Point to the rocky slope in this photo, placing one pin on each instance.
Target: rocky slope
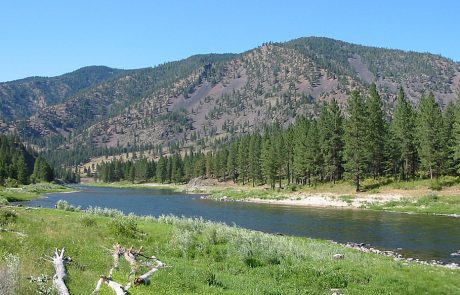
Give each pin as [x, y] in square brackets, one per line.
[214, 96]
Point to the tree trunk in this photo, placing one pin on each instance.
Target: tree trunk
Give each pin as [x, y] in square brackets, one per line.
[60, 275]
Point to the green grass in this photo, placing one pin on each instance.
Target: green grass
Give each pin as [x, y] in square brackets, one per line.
[248, 193]
[429, 204]
[29, 192]
[208, 258]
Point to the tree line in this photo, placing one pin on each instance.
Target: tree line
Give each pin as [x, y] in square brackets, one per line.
[21, 165]
[363, 141]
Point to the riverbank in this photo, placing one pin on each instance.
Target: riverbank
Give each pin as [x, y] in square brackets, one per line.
[205, 257]
[30, 192]
[421, 196]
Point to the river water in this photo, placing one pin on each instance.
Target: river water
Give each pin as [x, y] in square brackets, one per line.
[420, 236]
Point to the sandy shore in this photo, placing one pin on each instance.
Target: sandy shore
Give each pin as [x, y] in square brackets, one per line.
[329, 200]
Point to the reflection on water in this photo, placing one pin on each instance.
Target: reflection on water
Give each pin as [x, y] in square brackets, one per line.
[421, 236]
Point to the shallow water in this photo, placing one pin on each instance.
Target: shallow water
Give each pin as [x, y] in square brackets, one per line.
[420, 236]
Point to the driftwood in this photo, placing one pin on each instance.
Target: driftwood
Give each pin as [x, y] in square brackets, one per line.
[118, 288]
[59, 262]
[117, 252]
[145, 278]
[131, 256]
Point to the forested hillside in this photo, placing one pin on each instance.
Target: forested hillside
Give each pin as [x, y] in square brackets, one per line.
[22, 98]
[364, 143]
[19, 165]
[206, 100]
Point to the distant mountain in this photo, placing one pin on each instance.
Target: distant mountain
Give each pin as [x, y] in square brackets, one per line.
[213, 96]
[22, 98]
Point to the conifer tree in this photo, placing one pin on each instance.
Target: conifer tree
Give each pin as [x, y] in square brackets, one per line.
[243, 155]
[448, 140]
[300, 143]
[313, 154]
[232, 158]
[331, 140]
[376, 131]
[254, 158]
[403, 131]
[429, 131]
[355, 152]
[268, 161]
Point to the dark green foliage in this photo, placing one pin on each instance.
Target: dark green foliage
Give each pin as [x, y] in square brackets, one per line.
[17, 162]
[124, 227]
[376, 132]
[355, 152]
[42, 171]
[331, 140]
[360, 145]
[403, 137]
[429, 133]
[7, 217]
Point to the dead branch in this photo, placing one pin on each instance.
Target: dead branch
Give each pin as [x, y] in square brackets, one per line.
[59, 266]
[145, 278]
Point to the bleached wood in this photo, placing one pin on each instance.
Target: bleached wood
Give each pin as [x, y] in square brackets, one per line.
[60, 272]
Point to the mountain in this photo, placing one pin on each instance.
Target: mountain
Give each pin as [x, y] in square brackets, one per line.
[214, 96]
[22, 98]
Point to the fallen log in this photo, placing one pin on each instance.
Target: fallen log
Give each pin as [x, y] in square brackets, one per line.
[145, 278]
[59, 277]
[118, 250]
[118, 288]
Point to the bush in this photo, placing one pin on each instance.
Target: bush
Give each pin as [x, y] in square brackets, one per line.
[124, 227]
[10, 182]
[64, 205]
[87, 221]
[436, 185]
[104, 211]
[3, 201]
[293, 187]
[7, 217]
[9, 275]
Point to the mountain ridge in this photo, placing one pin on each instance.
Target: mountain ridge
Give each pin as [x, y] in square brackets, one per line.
[219, 95]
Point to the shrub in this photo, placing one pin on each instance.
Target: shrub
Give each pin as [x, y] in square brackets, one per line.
[436, 185]
[211, 279]
[64, 205]
[104, 211]
[9, 275]
[124, 227]
[87, 221]
[3, 201]
[7, 217]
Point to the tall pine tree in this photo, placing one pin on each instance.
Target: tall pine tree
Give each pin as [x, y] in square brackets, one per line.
[355, 152]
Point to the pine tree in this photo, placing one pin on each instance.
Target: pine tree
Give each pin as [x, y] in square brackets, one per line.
[355, 133]
[243, 155]
[161, 170]
[403, 129]
[448, 121]
[300, 143]
[331, 140]
[268, 161]
[23, 175]
[429, 131]
[313, 156]
[254, 158]
[232, 161]
[376, 132]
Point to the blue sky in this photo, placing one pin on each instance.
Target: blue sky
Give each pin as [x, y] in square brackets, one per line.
[48, 38]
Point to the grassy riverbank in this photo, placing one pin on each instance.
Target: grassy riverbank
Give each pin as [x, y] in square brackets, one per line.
[29, 192]
[206, 258]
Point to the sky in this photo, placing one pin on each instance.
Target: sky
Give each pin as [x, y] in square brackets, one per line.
[49, 38]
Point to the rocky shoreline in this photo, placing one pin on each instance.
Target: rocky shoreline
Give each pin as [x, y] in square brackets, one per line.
[366, 248]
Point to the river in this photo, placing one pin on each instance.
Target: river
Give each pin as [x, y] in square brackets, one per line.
[419, 236]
